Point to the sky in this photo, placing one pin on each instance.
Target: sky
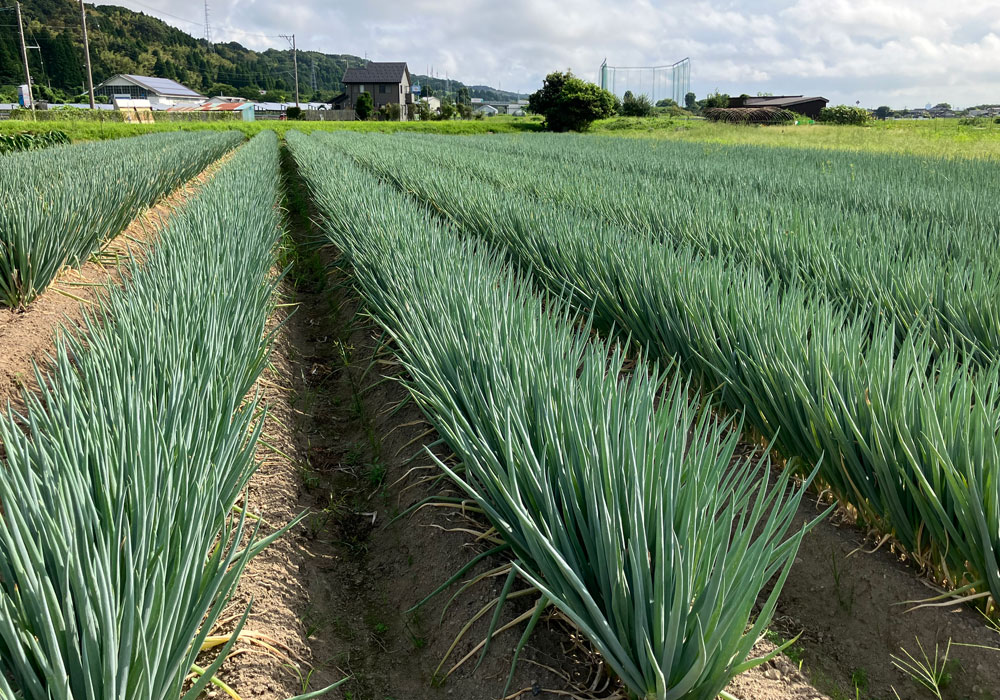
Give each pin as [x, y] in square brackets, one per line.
[902, 53]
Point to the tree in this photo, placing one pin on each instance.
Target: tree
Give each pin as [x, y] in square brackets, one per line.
[690, 101]
[667, 102]
[717, 99]
[426, 90]
[636, 106]
[293, 112]
[570, 104]
[883, 112]
[942, 105]
[390, 112]
[447, 110]
[462, 96]
[364, 106]
[464, 110]
[424, 111]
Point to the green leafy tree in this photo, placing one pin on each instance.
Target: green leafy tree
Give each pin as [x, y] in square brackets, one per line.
[633, 106]
[447, 110]
[942, 105]
[667, 102]
[462, 96]
[690, 101]
[570, 104]
[426, 90]
[424, 111]
[390, 112]
[883, 112]
[294, 112]
[716, 99]
[364, 106]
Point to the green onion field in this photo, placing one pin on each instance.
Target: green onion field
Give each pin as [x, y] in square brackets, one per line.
[706, 412]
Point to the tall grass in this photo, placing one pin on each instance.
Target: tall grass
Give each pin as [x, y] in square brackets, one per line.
[118, 545]
[619, 495]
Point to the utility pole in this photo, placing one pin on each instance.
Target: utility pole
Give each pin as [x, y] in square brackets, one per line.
[24, 57]
[295, 62]
[208, 28]
[86, 53]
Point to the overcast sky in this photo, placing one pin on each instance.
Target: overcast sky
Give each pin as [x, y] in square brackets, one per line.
[904, 53]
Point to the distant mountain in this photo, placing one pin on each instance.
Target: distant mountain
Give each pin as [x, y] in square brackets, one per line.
[124, 41]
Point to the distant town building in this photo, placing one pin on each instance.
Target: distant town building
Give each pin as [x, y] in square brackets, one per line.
[806, 106]
[242, 107]
[162, 93]
[387, 83]
[433, 103]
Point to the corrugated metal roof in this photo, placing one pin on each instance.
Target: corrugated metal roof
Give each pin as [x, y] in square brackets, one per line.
[779, 101]
[376, 73]
[162, 86]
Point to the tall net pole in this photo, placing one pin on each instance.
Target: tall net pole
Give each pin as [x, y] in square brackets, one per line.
[656, 82]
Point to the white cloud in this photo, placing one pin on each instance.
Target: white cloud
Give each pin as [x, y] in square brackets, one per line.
[876, 51]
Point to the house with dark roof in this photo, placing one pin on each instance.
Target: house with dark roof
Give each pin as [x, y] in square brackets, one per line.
[806, 106]
[387, 83]
[162, 93]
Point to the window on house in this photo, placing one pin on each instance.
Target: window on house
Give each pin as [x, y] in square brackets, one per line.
[361, 88]
[381, 88]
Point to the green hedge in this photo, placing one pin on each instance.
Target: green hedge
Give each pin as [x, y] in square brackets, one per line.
[67, 114]
[844, 114]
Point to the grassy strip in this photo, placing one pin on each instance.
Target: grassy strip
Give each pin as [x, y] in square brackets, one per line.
[118, 547]
[907, 430]
[938, 138]
[61, 204]
[618, 494]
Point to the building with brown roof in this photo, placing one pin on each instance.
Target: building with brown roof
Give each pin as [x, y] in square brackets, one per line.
[806, 106]
[387, 83]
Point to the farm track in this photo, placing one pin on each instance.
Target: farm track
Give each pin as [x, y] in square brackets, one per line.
[28, 336]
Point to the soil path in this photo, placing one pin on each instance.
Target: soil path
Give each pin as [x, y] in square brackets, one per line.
[28, 336]
[849, 606]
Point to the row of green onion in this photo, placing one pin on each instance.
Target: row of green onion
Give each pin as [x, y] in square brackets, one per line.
[618, 495]
[119, 544]
[905, 428]
[63, 203]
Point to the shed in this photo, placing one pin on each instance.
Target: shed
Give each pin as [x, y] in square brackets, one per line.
[162, 93]
[807, 106]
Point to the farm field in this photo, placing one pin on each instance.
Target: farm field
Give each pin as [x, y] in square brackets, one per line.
[495, 416]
